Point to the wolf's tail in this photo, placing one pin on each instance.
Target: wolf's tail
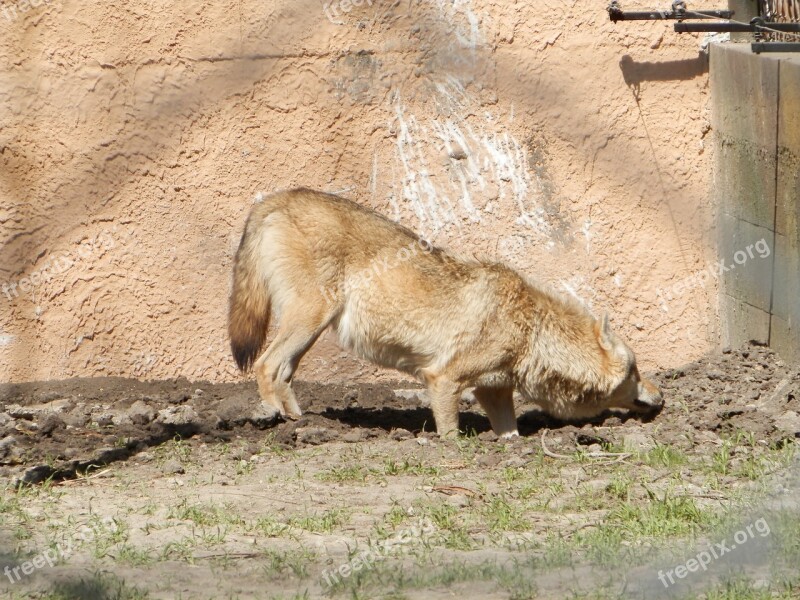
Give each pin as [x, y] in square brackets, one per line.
[248, 311]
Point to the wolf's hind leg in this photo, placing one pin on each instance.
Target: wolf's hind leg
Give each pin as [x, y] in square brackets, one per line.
[498, 403]
[300, 326]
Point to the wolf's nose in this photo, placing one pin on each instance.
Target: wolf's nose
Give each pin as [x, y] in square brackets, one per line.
[650, 397]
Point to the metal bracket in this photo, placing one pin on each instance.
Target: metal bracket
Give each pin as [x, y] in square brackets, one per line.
[677, 13]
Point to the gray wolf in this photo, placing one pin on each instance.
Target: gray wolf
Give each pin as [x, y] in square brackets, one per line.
[316, 260]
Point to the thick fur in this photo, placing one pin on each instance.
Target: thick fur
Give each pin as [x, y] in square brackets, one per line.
[318, 260]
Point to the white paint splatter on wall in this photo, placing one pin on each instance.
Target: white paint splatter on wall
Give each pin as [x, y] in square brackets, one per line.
[464, 163]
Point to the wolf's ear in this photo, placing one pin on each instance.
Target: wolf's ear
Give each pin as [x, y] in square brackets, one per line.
[602, 330]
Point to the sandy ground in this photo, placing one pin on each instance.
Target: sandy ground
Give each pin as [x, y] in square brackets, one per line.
[179, 489]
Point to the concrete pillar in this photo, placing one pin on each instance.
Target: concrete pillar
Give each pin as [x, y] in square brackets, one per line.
[744, 11]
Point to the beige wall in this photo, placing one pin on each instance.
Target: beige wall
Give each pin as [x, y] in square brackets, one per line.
[134, 137]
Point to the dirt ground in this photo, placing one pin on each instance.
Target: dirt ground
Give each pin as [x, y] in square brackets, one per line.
[193, 490]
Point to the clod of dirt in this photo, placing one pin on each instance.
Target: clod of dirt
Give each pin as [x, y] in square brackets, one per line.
[178, 416]
[140, 413]
[51, 423]
[243, 408]
[7, 445]
[789, 423]
[401, 434]
[264, 416]
[314, 435]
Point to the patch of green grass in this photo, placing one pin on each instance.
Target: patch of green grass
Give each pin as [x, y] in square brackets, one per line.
[176, 449]
[501, 515]
[392, 467]
[452, 532]
[351, 473]
[130, 555]
[664, 456]
[344, 474]
[744, 589]
[661, 518]
[206, 515]
[106, 535]
[270, 527]
[325, 522]
[620, 486]
[295, 562]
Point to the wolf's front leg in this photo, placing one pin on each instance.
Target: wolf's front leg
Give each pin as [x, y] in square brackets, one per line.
[444, 396]
[498, 403]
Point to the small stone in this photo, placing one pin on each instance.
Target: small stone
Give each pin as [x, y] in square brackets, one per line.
[354, 435]
[178, 397]
[5, 419]
[173, 467]
[489, 460]
[144, 457]
[401, 434]
[313, 435]
[422, 441]
[120, 418]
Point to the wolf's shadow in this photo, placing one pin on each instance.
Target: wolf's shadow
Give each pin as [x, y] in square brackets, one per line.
[420, 419]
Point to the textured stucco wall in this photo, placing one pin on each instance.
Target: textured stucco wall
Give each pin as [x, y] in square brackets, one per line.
[134, 138]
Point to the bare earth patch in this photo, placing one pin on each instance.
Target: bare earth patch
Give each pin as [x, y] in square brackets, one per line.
[178, 489]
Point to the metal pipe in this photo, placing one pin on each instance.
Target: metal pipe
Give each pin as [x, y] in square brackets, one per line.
[720, 26]
[759, 47]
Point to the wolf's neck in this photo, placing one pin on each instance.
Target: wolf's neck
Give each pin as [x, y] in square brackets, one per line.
[564, 349]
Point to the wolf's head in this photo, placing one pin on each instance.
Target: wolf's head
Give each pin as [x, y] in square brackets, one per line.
[626, 387]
